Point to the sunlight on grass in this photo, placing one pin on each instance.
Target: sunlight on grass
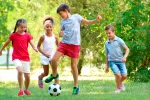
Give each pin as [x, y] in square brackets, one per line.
[90, 90]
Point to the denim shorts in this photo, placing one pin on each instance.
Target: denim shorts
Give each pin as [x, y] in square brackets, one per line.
[118, 67]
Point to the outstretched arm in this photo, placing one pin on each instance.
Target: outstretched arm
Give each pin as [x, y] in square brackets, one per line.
[32, 45]
[90, 22]
[6, 43]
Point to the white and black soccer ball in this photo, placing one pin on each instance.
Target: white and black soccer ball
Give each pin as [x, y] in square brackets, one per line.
[54, 89]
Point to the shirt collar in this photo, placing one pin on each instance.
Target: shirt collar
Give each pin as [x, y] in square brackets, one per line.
[115, 39]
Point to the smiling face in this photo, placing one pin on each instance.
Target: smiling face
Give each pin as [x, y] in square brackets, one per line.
[48, 27]
[22, 28]
[110, 34]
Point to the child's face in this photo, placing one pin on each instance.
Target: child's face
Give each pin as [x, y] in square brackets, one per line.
[110, 34]
[22, 27]
[63, 14]
[48, 27]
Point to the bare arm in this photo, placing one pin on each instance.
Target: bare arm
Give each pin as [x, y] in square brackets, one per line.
[126, 54]
[56, 41]
[107, 66]
[32, 45]
[90, 22]
[39, 46]
[6, 43]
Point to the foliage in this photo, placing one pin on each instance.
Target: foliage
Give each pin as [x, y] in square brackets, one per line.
[134, 27]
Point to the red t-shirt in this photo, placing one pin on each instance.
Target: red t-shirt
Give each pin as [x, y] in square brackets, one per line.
[20, 46]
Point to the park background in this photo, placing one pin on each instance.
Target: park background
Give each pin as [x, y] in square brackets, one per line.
[131, 19]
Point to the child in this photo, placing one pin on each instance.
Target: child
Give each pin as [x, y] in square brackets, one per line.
[48, 40]
[114, 57]
[20, 56]
[70, 44]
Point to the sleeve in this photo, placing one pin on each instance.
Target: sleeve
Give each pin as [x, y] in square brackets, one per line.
[29, 37]
[79, 17]
[11, 36]
[122, 43]
[106, 50]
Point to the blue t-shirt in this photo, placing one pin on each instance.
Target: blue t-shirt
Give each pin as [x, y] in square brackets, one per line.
[114, 49]
[71, 29]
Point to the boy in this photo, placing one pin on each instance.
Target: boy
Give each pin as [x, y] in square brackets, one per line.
[114, 57]
[70, 44]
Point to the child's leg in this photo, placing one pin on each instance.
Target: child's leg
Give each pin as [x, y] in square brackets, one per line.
[74, 62]
[123, 78]
[54, 74]
[20, 77]
[118, 80]
[27, 80]
[54, 62]
[45, 73]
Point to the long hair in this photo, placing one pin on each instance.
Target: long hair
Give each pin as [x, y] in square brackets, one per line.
[21, 20]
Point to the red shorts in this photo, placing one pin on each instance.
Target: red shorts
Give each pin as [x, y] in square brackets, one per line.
[69, 49]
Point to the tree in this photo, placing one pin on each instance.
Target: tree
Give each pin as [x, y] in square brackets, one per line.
[134, 26]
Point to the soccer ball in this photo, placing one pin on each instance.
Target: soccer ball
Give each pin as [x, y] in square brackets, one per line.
[54, 89]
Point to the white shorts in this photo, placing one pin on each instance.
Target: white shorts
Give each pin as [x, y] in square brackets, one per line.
[44, 60]
[24, 64]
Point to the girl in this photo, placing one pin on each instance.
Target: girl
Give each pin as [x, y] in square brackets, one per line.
[48, 40]
[20, 56]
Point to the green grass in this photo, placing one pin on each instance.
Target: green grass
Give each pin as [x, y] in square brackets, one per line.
[90, 90]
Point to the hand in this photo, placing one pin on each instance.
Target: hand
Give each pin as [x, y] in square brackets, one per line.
[98, 18]
[47, 55]
[35, 49]
[107, 69]
[61, 33]
[124, 59]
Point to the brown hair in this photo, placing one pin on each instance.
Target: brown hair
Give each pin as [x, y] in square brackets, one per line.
[109, 27]
[48, 18]
[63, 7]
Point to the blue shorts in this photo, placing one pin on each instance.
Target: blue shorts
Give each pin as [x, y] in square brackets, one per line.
[118, 67]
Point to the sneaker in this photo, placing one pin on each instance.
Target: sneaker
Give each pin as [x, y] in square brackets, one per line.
[50, 78]
[21, 93]
[75, 90]
[40, 83]
[27, 92]
[122, 87]
[117, 91]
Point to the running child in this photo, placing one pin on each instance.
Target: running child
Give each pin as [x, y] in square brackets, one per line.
[48, 41]
[70, 44]
[114, 57]
[20, 39]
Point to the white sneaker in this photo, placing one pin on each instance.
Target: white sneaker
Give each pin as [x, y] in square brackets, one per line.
[122, 87]
[117, 91]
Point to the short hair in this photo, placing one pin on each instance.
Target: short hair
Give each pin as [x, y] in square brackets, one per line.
[109, 27]
[48, 18]
[63, 7]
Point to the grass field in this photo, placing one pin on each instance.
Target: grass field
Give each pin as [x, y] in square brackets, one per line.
[90, 90]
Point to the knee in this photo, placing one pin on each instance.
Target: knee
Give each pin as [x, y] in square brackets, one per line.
[118, 75]
[74, 65]
[124, 76]
[20, 72]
